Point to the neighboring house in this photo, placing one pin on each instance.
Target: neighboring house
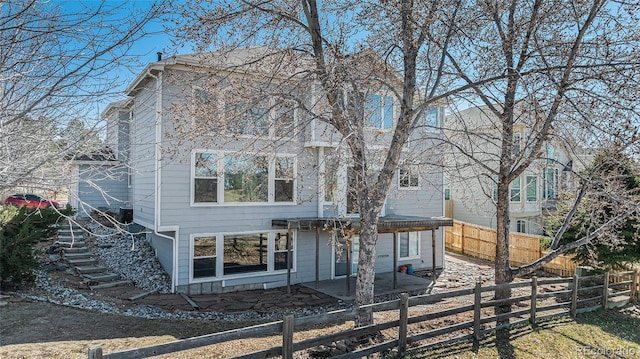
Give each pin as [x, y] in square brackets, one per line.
[471, 193]
[101, 181]
[223, 205]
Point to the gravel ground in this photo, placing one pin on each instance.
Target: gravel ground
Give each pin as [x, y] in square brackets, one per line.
[134, 259]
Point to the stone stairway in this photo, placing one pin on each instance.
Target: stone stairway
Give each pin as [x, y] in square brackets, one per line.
[79, 256]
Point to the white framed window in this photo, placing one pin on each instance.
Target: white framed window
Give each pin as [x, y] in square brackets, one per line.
[431, 119]
[550, 183]
[409, 177]
[206, 105]
[517, 138]
[246, 178]
[204, 257]
[378, 111]
[234, 178]
[532, 188]
[408, 245]
[447, 188]
[494, 190]
[521, 226]
[205, 178]
[515, 190]
[232, 255]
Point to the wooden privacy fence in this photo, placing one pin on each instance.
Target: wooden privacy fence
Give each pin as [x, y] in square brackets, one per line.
[533, 300]
[480, 242]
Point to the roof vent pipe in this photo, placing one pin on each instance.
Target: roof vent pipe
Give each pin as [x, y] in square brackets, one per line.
[159, 55]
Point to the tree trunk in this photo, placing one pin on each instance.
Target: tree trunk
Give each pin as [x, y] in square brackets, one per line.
[502, 268]
[366, 266]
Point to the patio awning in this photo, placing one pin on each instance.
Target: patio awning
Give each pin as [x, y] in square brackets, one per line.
[386, 224]
[351, 226]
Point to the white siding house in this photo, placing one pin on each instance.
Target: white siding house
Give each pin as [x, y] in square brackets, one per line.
[534, 194]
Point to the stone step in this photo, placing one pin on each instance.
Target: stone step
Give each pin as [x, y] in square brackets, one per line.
[82, 262]
[110, 284]
[76, 249]
[85, 255]
[617, 301]
[75, 244]
[91, 269]
[105, 277]
[67, 232]
[68, 238]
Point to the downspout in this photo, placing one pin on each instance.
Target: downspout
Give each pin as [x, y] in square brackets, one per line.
[158, 176]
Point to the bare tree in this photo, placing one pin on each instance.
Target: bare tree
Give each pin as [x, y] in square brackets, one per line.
[57, 63]
[571, 66]
[564, 71]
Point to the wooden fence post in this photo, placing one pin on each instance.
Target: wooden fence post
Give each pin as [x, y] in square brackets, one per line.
[95, 353]
[404, 321]
[605, 290]
[287, 336]
[534, 298]
[634, 286]
[476, 310]
[574, 297]
[462, 237]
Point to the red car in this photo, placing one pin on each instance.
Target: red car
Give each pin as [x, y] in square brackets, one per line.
[31, 201]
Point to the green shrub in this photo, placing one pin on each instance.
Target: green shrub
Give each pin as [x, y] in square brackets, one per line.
[20, 230]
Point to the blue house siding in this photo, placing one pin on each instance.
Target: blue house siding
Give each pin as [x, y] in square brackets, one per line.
[101, 186]
[143, 139]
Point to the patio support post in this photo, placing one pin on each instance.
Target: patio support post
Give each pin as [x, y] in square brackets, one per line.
[433, 254]
[347, 243]
[395, 259]
[289, 259]
[317, 256]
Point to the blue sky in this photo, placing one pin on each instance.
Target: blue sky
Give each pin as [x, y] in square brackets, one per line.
[141, 52]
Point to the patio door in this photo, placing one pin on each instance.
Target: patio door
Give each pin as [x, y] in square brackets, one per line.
[352, 247]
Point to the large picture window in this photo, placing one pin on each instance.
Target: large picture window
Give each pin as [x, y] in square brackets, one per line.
[246, 179]
[219, 255]
[408, 245]
[245, 253]
[239, 178]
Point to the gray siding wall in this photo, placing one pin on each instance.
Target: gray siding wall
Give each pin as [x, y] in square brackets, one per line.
[164, 250]
[101, 186]
[176, 209]
[143, 155]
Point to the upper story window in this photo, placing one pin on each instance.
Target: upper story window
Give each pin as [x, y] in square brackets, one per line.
[246, 117]
[515, 190]
[408, 177]
[532, 188]
[378, 111]
[517, 138]
[447, 188]
[550, 183]
[431, 119]
[232, 113]
[239, 178]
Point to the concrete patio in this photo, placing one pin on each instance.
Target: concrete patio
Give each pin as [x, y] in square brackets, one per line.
[383, 285]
